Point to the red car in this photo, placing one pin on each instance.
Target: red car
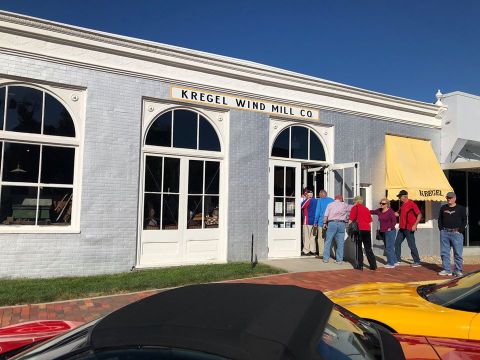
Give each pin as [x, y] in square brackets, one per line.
[424, 348]
[232, 321]
[18, 337]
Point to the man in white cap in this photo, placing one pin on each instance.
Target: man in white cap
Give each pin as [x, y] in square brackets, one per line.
[452, 220]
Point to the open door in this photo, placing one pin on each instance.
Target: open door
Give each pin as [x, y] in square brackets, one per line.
[343, 179]
[284, 209]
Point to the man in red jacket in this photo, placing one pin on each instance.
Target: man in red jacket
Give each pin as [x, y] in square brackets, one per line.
[410, 216]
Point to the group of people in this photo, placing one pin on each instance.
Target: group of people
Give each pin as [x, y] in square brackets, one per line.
[325, 219]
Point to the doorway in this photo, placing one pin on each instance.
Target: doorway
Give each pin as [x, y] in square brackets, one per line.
[466, 184]
[181, 205]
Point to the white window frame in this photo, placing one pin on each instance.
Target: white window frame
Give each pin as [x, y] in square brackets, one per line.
[73, 99]
[325, 134]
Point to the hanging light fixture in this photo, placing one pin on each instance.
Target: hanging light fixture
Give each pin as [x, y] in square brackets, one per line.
[18, 169]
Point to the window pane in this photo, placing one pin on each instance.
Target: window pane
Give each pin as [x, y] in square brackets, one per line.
[317, 151]
[194, 212]
[2, 106]
[56, 118]
[211, 211]
[170, 212]
[208, 139]
[195, 177]
[290, 206]
[185, 129]
[281, 146]
[278, 181]
[18, 205]
[54, 206]
[21, 162]
[24, 109]
[299, 142]
[160, 133]
[212, 177]
[289, 181]
[151, 211]
[57, 165]
[153, 174]
[278, 206]
[171, 175]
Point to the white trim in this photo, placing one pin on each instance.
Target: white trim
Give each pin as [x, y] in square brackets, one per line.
[42, 39]
[461, 165]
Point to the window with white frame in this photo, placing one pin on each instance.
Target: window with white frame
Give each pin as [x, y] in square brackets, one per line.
[37, 148]
[298, 142]
[183, 129]
[163, 195]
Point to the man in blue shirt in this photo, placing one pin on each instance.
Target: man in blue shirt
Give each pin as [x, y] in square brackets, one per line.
[322, 202]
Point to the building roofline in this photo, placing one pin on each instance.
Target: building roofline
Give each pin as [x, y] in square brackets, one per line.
[202, 61]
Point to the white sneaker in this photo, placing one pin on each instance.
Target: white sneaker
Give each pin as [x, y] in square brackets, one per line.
[415, 265]
[398, 263]
[458, 273]
[389, 266]
[444, 273]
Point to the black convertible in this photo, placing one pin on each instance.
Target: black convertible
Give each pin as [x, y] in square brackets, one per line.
[225, 321]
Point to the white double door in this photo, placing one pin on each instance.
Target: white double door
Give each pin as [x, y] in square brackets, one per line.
[284, 220]
[180, 218]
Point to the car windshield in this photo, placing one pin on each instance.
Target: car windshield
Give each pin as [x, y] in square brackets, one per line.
[348, 337]
[461, 293]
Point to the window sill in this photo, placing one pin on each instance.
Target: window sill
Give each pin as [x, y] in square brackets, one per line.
[12, 229]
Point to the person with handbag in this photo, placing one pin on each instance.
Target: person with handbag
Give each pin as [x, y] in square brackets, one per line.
[360, 215]
[387, 220]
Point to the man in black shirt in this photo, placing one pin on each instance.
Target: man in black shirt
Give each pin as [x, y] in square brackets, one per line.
[451, 222]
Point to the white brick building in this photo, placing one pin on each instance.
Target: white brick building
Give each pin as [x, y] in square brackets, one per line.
[121, 153]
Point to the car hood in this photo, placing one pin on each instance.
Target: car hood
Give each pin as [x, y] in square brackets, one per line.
[429, 348]
[16, 336]
[371, 294]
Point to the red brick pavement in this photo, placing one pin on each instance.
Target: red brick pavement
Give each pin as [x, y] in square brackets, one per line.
[89, 309]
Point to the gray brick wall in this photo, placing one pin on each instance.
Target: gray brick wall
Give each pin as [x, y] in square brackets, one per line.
[248, 185]
[108, 239]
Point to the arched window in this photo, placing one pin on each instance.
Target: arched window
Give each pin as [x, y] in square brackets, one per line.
[298, 142]
[37, 147]
[183, 129]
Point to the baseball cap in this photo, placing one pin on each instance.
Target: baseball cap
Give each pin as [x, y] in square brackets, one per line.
[451, 194]
[401, 193]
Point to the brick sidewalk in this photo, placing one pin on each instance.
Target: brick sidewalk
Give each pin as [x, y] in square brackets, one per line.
[89, 309]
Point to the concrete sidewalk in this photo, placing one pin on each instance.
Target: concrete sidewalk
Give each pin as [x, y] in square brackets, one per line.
[331, 277]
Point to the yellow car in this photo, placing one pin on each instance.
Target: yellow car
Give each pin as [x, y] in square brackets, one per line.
[447, 309]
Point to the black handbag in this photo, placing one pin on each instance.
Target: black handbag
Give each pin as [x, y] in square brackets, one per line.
[379, 235]
[353, 226]
[314, 230]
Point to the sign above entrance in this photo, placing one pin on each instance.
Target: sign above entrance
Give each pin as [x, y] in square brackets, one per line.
[235, 102]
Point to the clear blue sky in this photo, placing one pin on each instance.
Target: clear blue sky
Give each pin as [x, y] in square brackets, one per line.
[408, 48]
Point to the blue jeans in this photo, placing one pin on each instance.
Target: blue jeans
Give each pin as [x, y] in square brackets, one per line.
[336, 229]
[410, 236]
[390, 247]
[454, 240]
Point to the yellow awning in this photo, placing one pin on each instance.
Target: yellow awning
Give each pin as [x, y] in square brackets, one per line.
[412, 165]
